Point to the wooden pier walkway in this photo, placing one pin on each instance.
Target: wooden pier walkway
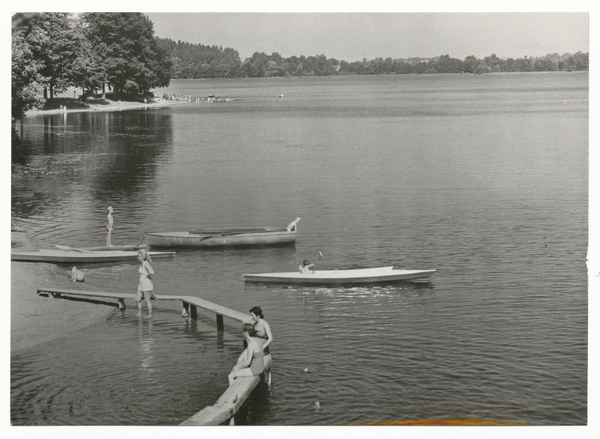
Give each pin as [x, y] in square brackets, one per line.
[190, 303]
[230, 402]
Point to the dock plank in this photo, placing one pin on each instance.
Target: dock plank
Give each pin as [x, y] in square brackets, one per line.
[196, 301]
[80, 293]
[229, 402]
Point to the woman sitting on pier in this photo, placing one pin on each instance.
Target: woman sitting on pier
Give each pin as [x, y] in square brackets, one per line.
[250, 363]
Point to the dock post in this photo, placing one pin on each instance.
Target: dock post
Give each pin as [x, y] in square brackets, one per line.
[186, 307]
[193, 311]
[220, 324]
[121, 303]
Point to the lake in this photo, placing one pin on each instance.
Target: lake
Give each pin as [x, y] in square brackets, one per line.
[483, 178]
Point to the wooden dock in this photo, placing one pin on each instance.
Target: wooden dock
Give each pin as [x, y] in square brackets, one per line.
[230, 402]
[190, 304]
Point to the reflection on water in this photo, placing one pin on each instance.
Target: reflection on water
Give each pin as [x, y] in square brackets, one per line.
[146, 346]
[483, 178]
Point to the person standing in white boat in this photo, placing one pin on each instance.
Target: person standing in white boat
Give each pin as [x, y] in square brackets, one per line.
[109, 227]
[145, 287]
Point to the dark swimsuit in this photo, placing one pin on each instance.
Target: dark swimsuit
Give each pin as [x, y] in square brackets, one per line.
[260, 333]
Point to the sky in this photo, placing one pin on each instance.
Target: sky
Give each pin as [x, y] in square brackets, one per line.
[357, 35]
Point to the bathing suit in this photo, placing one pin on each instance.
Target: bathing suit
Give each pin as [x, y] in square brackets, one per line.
[145, 282]
[261, 334]
[257, 366]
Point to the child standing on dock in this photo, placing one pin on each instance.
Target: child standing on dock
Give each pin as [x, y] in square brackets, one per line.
[145, 287]
[109, 227]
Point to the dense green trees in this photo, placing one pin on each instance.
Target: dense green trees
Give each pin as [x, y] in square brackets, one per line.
[53, 51]
[193, 61]
[27, 81]
[197, 61]
[124, 44]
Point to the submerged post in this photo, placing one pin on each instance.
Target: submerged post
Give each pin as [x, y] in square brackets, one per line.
[189, 310]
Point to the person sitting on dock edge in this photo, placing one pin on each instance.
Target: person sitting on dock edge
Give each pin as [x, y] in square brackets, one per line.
[250, 362]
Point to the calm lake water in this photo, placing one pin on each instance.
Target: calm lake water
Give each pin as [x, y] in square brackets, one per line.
[483, 178]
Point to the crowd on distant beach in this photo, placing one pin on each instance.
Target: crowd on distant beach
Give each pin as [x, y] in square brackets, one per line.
[188, 98]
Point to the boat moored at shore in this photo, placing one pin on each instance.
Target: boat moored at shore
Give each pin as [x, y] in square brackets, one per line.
[63, 256]
[207, 238]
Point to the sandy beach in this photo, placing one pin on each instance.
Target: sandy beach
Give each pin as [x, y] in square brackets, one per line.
[34, 319]
[91, 104]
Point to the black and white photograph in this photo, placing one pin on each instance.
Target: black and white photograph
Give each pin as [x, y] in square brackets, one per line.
[308, 217]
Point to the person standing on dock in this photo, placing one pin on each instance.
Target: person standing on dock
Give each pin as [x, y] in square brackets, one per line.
[251, 362]
[109, 227]
[263, 335]
[262, 328]
[145, 287]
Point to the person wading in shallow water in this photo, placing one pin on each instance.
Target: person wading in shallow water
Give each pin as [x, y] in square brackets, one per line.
[145, 287]
[263, 335]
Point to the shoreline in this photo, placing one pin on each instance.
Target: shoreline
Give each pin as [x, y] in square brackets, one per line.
[104, 105]
[35, 320]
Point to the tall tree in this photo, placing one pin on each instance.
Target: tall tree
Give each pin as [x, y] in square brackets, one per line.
[125, 44]
[87, 71]
[27, 82]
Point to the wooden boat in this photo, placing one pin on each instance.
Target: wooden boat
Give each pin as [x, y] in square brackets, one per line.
[205, 238]
[101, 249]
[59, 256]
[349, 277]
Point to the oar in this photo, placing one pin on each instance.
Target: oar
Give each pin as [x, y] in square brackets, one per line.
[319, 257]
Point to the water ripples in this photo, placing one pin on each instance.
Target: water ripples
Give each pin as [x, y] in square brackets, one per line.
[500, 332]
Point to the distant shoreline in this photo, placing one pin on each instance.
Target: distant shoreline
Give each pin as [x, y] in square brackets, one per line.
[76, 106]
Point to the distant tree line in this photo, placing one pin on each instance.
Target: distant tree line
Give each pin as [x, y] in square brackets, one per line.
[193, 61]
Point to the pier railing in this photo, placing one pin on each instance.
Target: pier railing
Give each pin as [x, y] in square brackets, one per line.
[234, 397]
